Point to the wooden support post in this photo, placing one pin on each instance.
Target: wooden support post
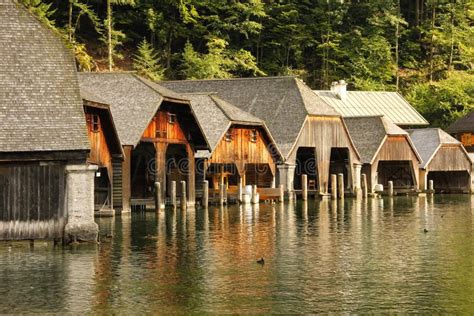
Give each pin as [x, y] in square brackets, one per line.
[304, 187]
[282, 193]
[239, 193]
[157, 196]
[205, 194]
[364, 185]
[340, 185]
[221, 192]
[390, 188]
[183, 195]
[431, 185]
[173, 194]
[333, 186]
[254, 195]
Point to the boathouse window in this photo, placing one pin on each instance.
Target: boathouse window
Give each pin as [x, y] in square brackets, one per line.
[171, 118]
[253, 135]
[95, 123]
[228, 136]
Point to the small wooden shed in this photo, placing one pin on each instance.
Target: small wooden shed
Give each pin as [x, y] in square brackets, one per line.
[386, 151]
[463, 130]
[310, 134]
[46, 186]
[158, 131]
[445, 161]
[241, 145]
[105, 147]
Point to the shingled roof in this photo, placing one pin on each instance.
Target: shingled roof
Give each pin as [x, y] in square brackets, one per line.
[283, 102]
[133, 101]
[40, 104]
[464, 124]
[366, 103]
[428, 140]
[369, 133]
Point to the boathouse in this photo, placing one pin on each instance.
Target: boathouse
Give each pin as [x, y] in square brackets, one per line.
[104, 148]
[159, 134]
[445, 161]
[46, 184]
[387, 153]
[242, 149]
[463, 130]
[310, 134]
[368, 103]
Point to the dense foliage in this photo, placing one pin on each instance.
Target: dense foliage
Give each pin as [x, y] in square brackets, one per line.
[423, 48]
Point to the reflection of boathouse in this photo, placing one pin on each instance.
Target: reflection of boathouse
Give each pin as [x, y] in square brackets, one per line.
[242, 148]
[304, 127]
[158, 131]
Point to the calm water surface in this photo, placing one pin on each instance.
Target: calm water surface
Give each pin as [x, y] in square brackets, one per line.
[320, 256]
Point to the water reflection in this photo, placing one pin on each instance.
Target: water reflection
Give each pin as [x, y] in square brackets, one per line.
[320, 255]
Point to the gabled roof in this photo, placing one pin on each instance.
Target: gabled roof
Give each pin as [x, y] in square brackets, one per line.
[218, 115]
[283, 102]
[428, 140]
[464, 124]
[40, 105]
[369, 133]
[134, 101]
[366, 103]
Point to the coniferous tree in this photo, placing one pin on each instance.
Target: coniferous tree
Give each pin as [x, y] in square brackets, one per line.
[147, 63]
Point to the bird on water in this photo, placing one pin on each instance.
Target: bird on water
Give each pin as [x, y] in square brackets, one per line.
[261, 261]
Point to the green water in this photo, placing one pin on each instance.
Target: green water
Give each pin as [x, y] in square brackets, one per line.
[319, 257]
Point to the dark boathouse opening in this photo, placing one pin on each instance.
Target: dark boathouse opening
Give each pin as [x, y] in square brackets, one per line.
[258, 174]
[306, 164]
[398, 171]
[339, 163]
[143, 170]
[450, 181]
[177, 167]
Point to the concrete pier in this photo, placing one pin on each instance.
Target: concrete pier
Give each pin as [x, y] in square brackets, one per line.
[282, 193]
[158, 200]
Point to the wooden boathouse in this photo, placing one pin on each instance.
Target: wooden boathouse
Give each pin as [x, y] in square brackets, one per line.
[310, 134]
[463, 130]
[46, 186]
[445, 161]
[386, 151]
[242, 149]
[159, 134]
[105, 148]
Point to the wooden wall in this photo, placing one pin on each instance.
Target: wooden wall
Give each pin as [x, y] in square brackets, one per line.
[32, 201]
[100, 152]
[160, 130]
[324, 133]
[242, 150]
[449, 158]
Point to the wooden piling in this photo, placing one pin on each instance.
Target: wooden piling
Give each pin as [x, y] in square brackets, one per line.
[239, 193]
[183, 195]
[157, 196]
[340, 185]
[333, 186]
[173, 194]
[431, 185]
[304, 187]
[254, 195]
[282, 193]
[364, 185]
[221, 193]
[390, 188]
[205, 194]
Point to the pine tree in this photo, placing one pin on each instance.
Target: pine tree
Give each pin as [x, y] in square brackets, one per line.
[147, 63]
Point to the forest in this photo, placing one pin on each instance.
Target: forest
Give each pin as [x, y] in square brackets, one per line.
[422, 48]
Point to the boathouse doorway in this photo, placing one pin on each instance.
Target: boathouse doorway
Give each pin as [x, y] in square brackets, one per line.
[258, 174]
[339, 163]
[227, 172]
[177, 168]
[398, 171]
[450, 181]
[102, 188]
[143, 171]
[306, 163]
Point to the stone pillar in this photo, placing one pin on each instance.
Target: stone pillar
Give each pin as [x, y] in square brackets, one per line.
[287, 174]
[183, 202]
[239, 192]
[80, 203]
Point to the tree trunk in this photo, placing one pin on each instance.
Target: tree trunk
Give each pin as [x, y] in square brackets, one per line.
[397, 35]
[109, 34]
[451, 50]
[433, 16]
[168, 50]
[69, 26]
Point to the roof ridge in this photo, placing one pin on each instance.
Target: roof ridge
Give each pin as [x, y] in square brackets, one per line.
[216, 99]
[234, 79]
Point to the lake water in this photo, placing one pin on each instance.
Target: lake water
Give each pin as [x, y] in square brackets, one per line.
[323, 256]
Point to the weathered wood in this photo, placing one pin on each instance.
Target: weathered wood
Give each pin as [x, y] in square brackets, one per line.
[282, 193]
[390, 188]
[205, 196]
[333, 186]
[157, 196]
[183, 195]
[222, 193]
[340, 185]
[431, 185]
[304, 187]
[364, 185]
[255, 197]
